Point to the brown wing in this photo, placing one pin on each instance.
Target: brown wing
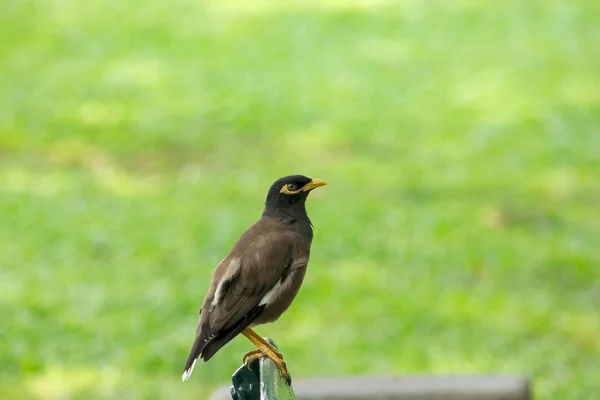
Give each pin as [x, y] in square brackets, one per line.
[255, 265]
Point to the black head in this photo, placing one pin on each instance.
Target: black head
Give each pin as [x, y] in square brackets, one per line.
[290, 192]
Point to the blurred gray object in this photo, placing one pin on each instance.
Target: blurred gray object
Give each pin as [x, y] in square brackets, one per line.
[265, 382]
[414, 388]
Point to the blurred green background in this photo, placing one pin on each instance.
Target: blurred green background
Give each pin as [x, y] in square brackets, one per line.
[460, 231]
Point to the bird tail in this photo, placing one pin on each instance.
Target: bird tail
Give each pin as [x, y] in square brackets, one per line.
[197, 348]
[207, 343]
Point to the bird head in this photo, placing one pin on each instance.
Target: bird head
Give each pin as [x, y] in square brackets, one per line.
[291, 191]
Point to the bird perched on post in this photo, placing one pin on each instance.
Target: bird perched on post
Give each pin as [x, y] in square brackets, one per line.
[260, 277]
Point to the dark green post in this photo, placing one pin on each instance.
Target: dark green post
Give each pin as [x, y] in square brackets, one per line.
[263, 381]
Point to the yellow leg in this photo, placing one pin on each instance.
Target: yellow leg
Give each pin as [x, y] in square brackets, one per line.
[264, 349]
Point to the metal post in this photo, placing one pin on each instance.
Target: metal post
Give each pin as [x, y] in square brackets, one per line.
[263, 381]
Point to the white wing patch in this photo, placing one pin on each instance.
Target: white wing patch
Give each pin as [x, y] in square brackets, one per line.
[218, 294]
[234, 264]
[271, 294]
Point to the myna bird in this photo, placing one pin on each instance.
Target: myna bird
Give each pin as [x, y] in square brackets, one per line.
[260, 277]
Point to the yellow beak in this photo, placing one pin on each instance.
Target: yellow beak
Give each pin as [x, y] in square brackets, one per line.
[315, 183]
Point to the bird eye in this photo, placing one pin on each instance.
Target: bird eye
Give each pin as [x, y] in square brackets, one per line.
[292, 187]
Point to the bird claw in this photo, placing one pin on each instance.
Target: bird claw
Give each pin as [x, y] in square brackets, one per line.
[251, 356]
[274, 355]
[255, 354]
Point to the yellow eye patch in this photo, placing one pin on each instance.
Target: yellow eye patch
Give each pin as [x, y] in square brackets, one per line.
[286, 190]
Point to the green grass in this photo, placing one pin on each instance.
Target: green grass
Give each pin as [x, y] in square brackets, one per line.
[459, 232]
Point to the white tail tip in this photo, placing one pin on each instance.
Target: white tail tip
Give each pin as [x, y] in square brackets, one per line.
[188, 372]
